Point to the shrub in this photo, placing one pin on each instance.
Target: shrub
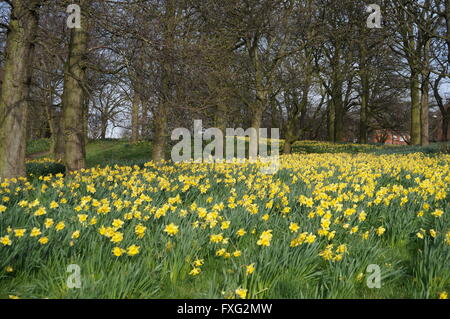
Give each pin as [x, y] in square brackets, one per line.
[43, 168]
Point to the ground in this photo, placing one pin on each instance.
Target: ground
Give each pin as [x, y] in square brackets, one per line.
[321, 227]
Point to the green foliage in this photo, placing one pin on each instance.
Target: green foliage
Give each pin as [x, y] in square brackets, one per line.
[38, 146]
[36, 169]
[327, 147]
[110, 152]
[410, 267]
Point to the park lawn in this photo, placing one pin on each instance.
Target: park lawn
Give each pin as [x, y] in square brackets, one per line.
[229, 231]
[117, 151]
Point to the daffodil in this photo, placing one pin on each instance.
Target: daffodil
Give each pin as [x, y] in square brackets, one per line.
[249, 269]
[117, 251]
[195, 271]
[242, 293]
[171, 229]
[294, 227]
[133, 250]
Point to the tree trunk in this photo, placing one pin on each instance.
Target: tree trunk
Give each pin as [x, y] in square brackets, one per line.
[444, 109]
[447, 22]
[425, 119]
[74, 102]
[144, 121]
[160, 124]
[339, 117]
[365, 91]
[44, 131]
[289, 138]
[86, 120]
[331, 121]
[103, 126]
[363, 120]
[287, 148]
[256, 125]
[135, 118]
[415, 108]
[445, 125]
[57, 147]
[160, 137]
[15, 87]
[294, 126]
[425, 113]
[338, 109]
[220, 117]
[260, 103]
[54, 119]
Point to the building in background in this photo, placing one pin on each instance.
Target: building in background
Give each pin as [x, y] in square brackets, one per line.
[388, 136]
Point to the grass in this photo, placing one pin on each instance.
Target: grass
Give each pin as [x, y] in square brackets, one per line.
[111, 151]
[389, 210]
[38, 146]
[313, 147]
[117, 151]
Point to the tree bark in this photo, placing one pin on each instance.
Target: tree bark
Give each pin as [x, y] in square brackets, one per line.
[160, 138]
[445, 125]
[338, 109]
[415, 108]
[86, 120]
[144, 121]
[339, 119]
[289, 139]
[220, 117]
[54, 119]
[135, 118]
[74, 102]
[160, 124]
[331, 121]
[445, 110]
[57, 146]
[16, 86]
[256, 125]
[425, 114]
[295, 122]
[425, 120]
[365, 91]
[336, 115]
[447, 23]
[103, 126]
[260, 103]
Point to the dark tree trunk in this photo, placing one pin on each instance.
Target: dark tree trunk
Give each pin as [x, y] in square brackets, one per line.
[15, 87]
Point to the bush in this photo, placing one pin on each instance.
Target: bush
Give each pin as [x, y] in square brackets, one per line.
[36, 169]
[328, 147]
[131, 162]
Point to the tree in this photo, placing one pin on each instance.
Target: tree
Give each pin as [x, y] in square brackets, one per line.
[74, 99]
[414, 24]
[16, 86]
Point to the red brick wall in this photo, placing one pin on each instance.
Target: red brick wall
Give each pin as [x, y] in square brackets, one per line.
[390, 138]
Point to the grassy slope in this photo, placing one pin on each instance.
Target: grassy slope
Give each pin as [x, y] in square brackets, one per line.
[295, 284]
[38, 146]
[126, 153]
[304, 274]
[112, 152]
[103, 152]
